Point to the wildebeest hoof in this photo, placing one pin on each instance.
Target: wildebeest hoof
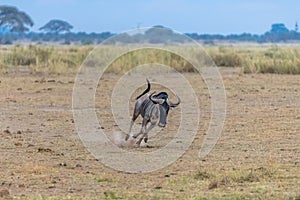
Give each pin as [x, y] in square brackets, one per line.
[127, 137]
[145, 140]
[138, 143]
[134, 136]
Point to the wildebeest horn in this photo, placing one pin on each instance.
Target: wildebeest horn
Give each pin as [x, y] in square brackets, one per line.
[171, 104]
[156, 100]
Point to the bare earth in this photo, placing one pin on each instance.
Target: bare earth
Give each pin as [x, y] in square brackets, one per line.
[257, 156]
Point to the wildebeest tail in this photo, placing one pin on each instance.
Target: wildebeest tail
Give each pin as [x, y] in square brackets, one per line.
[147, 90]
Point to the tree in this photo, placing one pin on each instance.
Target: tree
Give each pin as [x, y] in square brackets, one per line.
[159, 34]
[158, 31]
[279, 28]
[278, 33]
[14, 20]
[56, 26]
[296, 27]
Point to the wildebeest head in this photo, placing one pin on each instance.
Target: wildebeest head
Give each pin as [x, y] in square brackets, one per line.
[162, 99]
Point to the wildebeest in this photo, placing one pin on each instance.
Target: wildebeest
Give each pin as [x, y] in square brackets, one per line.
[154, 109]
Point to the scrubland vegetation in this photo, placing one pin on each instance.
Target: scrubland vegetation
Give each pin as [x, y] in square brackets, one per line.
[40, 58]
[259, 59]
[67, 59]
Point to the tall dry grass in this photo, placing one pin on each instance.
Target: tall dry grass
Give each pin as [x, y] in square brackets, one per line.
[67, 59]
[43, 59]
[278, 60]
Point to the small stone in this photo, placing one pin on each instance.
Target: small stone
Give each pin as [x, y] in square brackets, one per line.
[18, 144]
[30, 145]
[41, 149]
[213, 185]
[4, 193]
[78, 165]
[7, 183]
[6, 131]
[63, 164]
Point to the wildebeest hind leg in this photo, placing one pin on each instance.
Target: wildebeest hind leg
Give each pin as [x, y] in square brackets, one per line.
[134, 117]
[127, 135]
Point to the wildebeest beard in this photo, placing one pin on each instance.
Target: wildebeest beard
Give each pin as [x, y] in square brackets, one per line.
[163, 110]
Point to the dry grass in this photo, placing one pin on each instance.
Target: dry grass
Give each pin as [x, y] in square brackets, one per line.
[278, 60]
[67, 59]
[43, 59]
[258, 59]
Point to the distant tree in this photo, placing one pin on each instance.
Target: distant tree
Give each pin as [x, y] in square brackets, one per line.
[296, 27]
[279, 28]
[158, 30]
[56, 26]
[14, 20]
[278, 33]
[160, 34]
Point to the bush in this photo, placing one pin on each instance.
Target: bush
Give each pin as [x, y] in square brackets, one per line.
[227, 60]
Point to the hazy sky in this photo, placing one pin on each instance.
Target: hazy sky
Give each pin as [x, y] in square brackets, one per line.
[201, 16]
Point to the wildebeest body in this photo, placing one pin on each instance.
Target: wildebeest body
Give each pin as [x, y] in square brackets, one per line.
[152, 108]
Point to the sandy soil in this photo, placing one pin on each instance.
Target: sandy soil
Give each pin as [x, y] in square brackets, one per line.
[258, 154]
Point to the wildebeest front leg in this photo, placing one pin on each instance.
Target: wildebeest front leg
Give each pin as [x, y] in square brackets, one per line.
[152, 125]
[143, 130]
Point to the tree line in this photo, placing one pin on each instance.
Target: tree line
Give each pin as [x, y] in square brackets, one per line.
[15, 27]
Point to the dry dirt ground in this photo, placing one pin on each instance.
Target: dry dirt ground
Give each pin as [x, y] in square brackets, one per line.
[257, 156]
